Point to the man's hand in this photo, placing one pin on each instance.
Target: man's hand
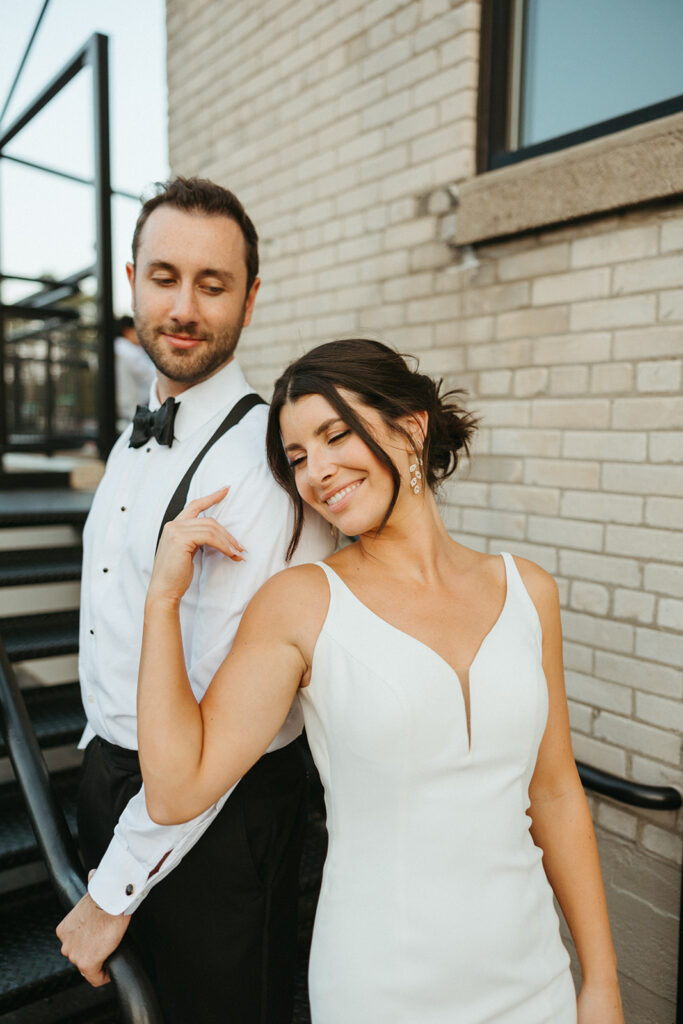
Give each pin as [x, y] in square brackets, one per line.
[88, 936]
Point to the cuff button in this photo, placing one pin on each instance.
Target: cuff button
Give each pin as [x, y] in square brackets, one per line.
[130, 889]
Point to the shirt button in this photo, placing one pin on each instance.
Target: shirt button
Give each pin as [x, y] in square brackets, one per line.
[148, 449]
[92, 632]
[130, 889]
[123, 508]
[105, 570]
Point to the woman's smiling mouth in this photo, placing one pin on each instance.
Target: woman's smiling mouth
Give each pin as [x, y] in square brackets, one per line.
[338, 497]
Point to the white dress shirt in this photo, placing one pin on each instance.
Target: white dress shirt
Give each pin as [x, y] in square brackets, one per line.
[119, 543]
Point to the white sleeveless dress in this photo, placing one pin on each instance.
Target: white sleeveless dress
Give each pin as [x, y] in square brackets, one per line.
[434, 906]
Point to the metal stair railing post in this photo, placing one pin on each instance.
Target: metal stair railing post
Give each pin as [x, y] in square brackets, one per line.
[136, 997]
[656, 798]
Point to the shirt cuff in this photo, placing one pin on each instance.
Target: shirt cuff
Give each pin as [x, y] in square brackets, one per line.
[119, 884]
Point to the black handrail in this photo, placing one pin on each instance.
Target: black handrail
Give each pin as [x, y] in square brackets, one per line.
[656, 798]
[136, 997]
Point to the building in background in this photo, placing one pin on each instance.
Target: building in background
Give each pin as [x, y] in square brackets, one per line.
[497, 188]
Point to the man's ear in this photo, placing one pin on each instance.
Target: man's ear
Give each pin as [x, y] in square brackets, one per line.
[130, 271]
[251, 299]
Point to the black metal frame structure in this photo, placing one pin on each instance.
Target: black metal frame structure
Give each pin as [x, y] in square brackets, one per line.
[93, 55]
[495, 68]
[136, 997]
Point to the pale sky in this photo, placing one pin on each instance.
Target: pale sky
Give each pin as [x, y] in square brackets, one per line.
[47, 224]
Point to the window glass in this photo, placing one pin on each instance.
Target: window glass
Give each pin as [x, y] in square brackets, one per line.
[585, 61]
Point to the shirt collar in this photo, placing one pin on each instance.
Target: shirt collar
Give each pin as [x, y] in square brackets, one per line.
[203, 401]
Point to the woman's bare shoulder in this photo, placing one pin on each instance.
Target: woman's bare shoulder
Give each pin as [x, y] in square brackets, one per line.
[540, 584]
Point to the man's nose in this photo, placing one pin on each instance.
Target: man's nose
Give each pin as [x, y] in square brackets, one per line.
[184, 307]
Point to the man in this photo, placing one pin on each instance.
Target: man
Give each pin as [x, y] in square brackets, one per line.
[213, 901]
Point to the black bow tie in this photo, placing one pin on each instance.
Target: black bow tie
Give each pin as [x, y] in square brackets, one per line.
[158, 424]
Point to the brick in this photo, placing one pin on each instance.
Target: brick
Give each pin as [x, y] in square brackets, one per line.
[511, 441]
[496, 468]
[589, 597]
[611, 377]
[665, 512]
[449, 81]
[577, 657]
[466, 492]
[626, 447]
[570, 287]
[562, 473]
[664, 844]
[476, 329]
[409, 287]
[634, 605]
[646, 275]
[616, 820]
[429, 256]
[380, 165]
[496, 298]
[666, 447]
[636, 736]
[654, 342]
[499, 412]
[659, 646]
[599, 755]
[614, 246]
[520, 498]
[664, 480]
[547, 259]
[429, 310]
[533, 323]
[670, 613]
[641, 675]
[499, 354]
[587, 348]
[602, 568]
[580, 717]
[589, 413]
[409, 233]
[440, 361]
[603, 633]
[667, 714]
[644, 542]
[566, 533]
[495, 382]
[606, 508]
[529, 382]
[664, 375]
[612, 312]
[664, 579]
[651, 773]
[671, 305]
[671, 235]
[500, 524]
[569, 380]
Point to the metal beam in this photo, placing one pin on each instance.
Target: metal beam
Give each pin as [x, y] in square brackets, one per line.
[61, 79]
[23, 60]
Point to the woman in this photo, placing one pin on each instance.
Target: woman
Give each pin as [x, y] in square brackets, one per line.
[431, 681]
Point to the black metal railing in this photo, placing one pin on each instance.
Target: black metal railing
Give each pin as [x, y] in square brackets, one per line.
[655, 798]
[93, 55]
[136, 997]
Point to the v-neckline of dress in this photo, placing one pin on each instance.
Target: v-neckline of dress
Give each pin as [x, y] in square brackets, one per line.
[439, 657]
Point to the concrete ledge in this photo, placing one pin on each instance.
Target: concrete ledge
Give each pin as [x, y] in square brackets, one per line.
[623, 169]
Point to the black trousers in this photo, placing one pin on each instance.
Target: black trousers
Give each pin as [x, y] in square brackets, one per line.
[218, 934]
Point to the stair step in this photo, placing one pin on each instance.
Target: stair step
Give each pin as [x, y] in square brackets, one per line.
[31, 965]
[40, 565]
[40, 636]
[17, 840]
[56, 714]
[38, 507]
[81, 1004]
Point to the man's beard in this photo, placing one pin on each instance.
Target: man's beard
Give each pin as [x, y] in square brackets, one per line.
[188, 366]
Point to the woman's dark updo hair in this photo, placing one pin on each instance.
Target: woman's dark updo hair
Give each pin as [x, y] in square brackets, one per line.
[380, 379]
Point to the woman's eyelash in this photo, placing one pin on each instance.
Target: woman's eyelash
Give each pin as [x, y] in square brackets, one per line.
[338, 437]
[293, 463]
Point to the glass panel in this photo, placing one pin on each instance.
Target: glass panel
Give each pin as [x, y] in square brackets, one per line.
[590, 60]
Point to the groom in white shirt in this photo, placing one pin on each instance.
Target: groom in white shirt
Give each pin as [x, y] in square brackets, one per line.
[213, 901]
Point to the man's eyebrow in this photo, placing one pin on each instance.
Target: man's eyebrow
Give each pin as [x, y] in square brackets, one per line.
[160, 265]
[316, 433]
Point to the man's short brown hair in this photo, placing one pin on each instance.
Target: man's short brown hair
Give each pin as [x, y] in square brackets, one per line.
[204, 196]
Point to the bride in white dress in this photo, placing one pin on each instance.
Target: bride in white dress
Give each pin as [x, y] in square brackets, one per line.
[430, 676]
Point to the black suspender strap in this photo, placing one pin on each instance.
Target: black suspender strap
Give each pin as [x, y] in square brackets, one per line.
[179, 499]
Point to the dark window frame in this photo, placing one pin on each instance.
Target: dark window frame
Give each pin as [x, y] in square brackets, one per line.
[494, 99]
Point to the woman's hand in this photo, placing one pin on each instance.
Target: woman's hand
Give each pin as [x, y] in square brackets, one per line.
[600, 1004]
[180, 539]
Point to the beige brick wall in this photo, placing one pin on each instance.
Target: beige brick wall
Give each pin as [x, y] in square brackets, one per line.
[346, 128]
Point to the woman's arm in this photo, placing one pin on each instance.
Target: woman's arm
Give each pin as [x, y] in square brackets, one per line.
[190, 753]
[563, 829]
